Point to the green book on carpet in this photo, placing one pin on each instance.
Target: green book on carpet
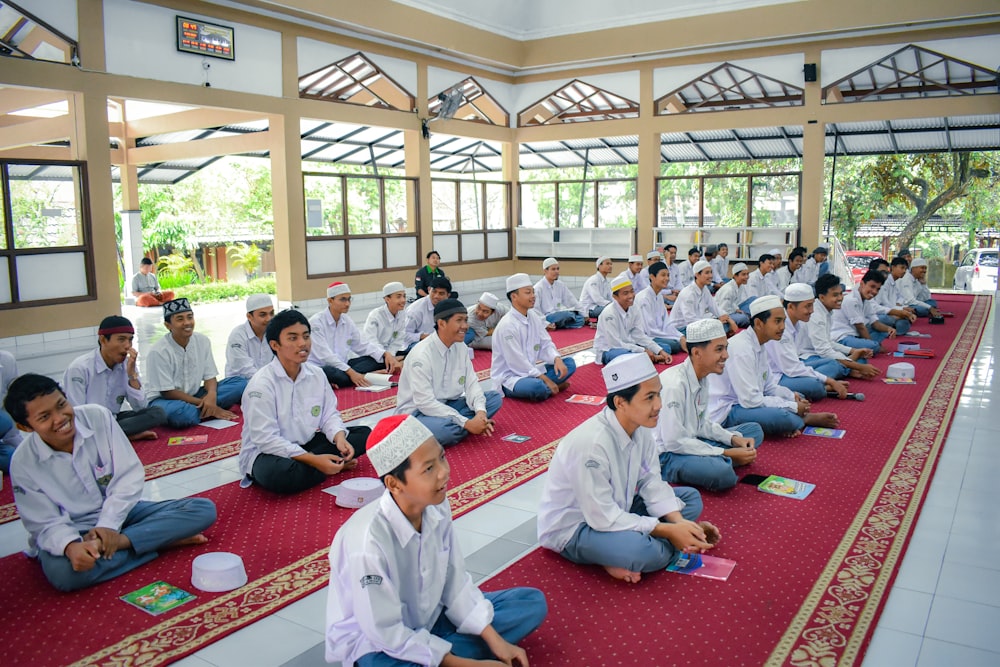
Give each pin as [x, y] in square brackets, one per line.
[158, 597]
[785, 487]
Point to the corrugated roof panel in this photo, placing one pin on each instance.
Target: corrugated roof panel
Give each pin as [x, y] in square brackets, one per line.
[965, 121]
[724, 150]
[865, 126]
[917, 123]
[628, 140]
[986, 139]
[921, 141]
[866, 143]
[682, 153]
[709, 135]
[531, 161]
[770, 148]
[631, 154]
[745, 132]
[672, 138]
[251, 126]
[541, 146]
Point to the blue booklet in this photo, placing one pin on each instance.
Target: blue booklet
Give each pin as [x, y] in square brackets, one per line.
[824, 432]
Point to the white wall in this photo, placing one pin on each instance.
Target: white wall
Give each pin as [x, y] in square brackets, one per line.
[786, 68]
[625, 84]
[441, 79]
[838, 63]
[314, 54]
[60, 14]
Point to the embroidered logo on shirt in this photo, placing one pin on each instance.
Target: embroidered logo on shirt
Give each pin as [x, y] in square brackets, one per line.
[238, 346]
[255, 394]
[537, 346]
[591, 463]
[77, 378]
[350, 342]
[674, 404]
[120, 399]
[371, 580]
[315, 411]
[461, 380]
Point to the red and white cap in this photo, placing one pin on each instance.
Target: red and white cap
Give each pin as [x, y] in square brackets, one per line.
[336, 289]
[393, 440]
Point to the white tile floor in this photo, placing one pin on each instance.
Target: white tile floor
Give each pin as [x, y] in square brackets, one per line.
[944, 608]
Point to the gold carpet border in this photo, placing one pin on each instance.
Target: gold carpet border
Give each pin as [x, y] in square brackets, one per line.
[199, 626]
[833, 621]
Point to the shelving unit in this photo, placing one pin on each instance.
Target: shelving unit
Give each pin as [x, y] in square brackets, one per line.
[745, 243]
[586, 243]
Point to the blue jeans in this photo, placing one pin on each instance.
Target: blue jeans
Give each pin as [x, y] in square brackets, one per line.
[829, 367]
[470, 336]
[565, 319]
[448, 432]
[534, 389]
[608, 355]
[745, 306]
[149, 526]
[632, 550]
[925, 312]
[774, 421]
[669, 344]
[596, 311]
[517, 612]
[9, 438]
[812, 389]
[182, 415]
[872, 343]
[712, 473]
[742, 320]
[901, 324]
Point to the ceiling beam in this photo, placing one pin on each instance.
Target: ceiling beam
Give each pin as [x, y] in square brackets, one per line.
[193, 119]
[234, 145]
[41, 131]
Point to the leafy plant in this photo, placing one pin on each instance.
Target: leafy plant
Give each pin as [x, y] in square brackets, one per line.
[246, 257]
[222, 291]
[175, 264]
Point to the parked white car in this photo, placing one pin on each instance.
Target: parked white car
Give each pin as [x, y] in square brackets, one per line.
[977, 272]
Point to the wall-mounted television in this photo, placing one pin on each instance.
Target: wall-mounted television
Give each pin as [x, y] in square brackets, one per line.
[205, 39]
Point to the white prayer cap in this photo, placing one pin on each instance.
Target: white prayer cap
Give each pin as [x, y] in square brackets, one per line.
[701, 265]
[739, 266]
[393, 440]
[336, 289]
[258, 301]
[797, 292]
[489, 300]
[600, 260]
[619, 283]
[549, 261]
[919, 261]
[392, 288]
[517, 281]
[634, 258]
[701, 331]
[762, 303]
[627, 371]
[773, 251]
[653, 254]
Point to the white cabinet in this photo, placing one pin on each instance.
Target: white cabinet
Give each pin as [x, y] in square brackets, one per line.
[586, 243]
[744, 242]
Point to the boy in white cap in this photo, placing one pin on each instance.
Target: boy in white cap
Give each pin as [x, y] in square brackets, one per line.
[335, 337]
[438, 384]
[484, 315]
[525, 363]
[420, 313]
[399, 591]
[181, 373]
[620, 328]
[596, 292]
[604, 502]
[784, 354]
[818, 349]
[913, 290]
[747, 390]
[732, 294]
[695, 301]
[554, 301]
[633, 273]
[652, 257]
[293, 436]
[694, 449]
[656, 320]
[247, 350]
[386, 325]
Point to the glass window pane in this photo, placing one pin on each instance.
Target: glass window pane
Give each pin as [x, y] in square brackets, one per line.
[776, 201]
[363, 206]
[538, 205]
[397, 210]
[471, 206]
[496, 205]
[443, 196]
[616, 204]
[3, 226]
[46, 213]
[726, 202]
[324, 206]
[576, 204]
[678, 203]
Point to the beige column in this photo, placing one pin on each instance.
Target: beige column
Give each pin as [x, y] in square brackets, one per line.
[90, 24]
[288, 207]
[649, 164]
[813, 158]
[417, 155]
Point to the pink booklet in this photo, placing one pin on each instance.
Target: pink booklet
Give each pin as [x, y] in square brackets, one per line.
[700, 565]
[200, 439]
[584, 399]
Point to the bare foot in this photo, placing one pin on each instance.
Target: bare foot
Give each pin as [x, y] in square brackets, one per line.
[144, 435]
[563, 386]
[822, 419]
[350, 465]
[620, 573]
[189, 541]
[793, 434]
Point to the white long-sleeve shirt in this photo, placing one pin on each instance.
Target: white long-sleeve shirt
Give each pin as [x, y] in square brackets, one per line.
[484, 328]
[854, 310]
[656, 320]
[61, 494]
[783, 355]
[683, 426]
[8, 371]
[596, 292]
[639, 280]
[420, 318]
[807, 273]
[693, 303]
[820, 342]
[389, 330]
[782, 277]
[617, 328]
[595, 475]
[758, 285]
[888, 297]
[521, 347]
[911, 291]
[730, 296]
[554, 297]
[434, 373]
[333, 341]
[170, 366]
[747, 380]
[89, 380]
[685, 273]
[245, 353]
[390, 583]
[280, 414]
[720, 268]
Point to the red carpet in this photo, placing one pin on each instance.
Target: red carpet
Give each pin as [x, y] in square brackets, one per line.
[812, 575]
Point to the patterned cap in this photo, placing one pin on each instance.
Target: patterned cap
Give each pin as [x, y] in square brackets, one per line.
[634, 258]
[171, 308]
[336, 289]
[627, 371]
[393, 440]
[653, 254]
[919, 261]
[600, 260]
[701, 331]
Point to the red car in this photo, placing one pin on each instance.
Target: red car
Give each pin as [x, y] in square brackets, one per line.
[858, 261]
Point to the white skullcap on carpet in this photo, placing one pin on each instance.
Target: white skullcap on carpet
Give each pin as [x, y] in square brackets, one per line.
[797, 292]
[619, 283]
[392, 288]
[393, 440]
[919, 261]
[701, 331]
[549, 261]
[701, 265]
[517, 281]
[627, 371]
[600, 260]
[489, 300]
[258, 301]
[739, 266]
[634, 258]
[760, 304]
[337, 288]
[653, 254]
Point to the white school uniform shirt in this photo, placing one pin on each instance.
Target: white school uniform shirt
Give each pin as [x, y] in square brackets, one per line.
[389, 330]
[854, 310]
[89, 380]
[639, 280]
[60, 494]
[420, 318]
[674, 284]
[730, 296]
[683, 426]
[617, 328]
[389, 584]
[434, 374]
[483, 327]
[596, 292]
[521, 348]
[758, 285]
[808, 272]
[245, 353]
[594, 477]
[720, 268]
[692, 304]
[281, 414]
[170, 366]
[685, 273]
[553, 297]
[8, 371]
[747, 380]
[783, 355]
[911, 291]
[820, 341]
[333, 341]
[656, 320]
[782, 277]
